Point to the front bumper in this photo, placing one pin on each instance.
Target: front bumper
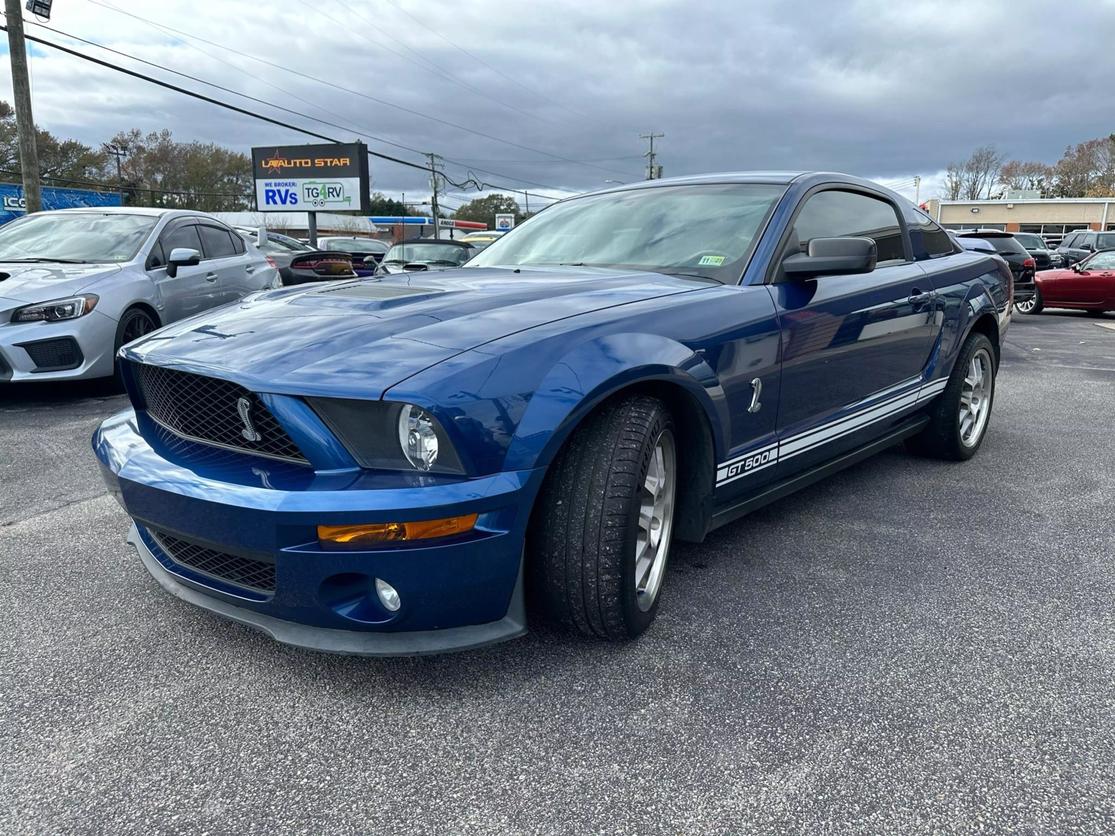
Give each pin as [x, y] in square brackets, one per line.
[94, 334]
[456, 594]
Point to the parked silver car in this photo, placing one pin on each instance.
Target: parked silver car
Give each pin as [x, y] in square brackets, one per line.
[76, 284]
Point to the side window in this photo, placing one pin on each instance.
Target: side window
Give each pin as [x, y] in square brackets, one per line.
[238, 244]
[935, 242]
[157, 258]
[217, 242]
[184, 235]
[1068, 239]
[837, 214]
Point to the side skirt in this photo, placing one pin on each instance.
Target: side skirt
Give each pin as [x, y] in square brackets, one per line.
[802, 480]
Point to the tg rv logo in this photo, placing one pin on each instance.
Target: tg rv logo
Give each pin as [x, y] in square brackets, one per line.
[325, 194]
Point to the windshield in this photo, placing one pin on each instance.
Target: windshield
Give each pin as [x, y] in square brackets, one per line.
[705, 230]
[427, 254]
[1100, 261]
[75, 237]
[1031, 242]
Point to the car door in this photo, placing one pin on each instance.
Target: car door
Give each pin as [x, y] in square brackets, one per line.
[188, 292]
[854, 347]
[226, 266]
[1091, 286]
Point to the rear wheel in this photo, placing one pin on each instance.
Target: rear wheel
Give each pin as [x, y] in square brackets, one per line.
[959, 418]
[1033, 305]
[601, 535]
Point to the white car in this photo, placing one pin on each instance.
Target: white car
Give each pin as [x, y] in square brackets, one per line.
[77, 284]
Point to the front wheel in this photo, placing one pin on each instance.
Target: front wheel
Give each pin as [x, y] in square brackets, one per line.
[959, 418]
[600, 537]
[132, 325]
[1033, 305]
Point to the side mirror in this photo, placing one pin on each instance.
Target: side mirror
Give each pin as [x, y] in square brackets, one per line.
[371, 260]
[833, 257]
[181, 257]
[1076, 268]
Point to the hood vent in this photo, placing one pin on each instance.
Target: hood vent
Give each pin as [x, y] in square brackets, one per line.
[378, 291]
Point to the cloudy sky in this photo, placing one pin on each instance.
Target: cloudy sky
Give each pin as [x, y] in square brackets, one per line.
[552, 96]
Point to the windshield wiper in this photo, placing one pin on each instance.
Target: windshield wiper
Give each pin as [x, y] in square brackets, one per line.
[44, 260]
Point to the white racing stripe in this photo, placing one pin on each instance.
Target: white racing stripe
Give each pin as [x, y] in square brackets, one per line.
[763, 457]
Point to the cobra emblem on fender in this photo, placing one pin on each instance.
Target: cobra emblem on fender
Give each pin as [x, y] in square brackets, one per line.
[244, 408]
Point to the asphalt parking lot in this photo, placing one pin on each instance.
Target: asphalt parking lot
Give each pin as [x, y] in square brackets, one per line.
[909, 646]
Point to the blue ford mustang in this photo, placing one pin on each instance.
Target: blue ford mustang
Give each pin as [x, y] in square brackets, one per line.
[411, 464]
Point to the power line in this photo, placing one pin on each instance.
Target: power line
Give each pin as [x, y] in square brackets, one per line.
[362, 95]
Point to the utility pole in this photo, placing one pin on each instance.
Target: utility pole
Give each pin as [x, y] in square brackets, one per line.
[435, 161]
[917, 190]
[25, 122]
[119, 153]
[526, 199]
[654, 172]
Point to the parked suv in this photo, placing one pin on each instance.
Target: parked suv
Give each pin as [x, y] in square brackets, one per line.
[1077, 246]
[1022, 264]
[77, 284]
[1044, 258]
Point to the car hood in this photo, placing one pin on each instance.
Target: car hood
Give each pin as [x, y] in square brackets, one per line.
[359, 338]
[24, 283]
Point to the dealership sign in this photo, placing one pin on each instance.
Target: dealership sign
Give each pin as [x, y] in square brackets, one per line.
[13, 204]
[312, 178]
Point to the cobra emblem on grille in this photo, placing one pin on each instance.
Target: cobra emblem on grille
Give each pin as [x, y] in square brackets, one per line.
[244, 408]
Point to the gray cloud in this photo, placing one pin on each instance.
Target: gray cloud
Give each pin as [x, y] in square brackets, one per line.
[876, 88]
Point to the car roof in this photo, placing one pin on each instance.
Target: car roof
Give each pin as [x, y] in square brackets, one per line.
[133, 210]
[984, 233]
[449, 241]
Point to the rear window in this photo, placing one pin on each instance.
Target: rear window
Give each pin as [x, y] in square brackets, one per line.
[1030, 242]
[1002, 244]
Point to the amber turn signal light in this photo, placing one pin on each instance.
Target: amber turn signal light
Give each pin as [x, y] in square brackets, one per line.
[375, 533]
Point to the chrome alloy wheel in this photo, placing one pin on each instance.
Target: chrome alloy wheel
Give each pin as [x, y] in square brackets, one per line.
[656, 520]
[975, 397]
[1027, 304]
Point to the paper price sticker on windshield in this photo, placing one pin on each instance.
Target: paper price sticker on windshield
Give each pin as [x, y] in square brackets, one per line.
[711, 261]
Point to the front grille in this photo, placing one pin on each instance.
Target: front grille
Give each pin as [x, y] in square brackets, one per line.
[257, 575]
[208, 410]
[54, 355]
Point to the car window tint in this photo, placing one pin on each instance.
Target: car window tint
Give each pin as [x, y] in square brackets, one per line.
[1105, 242]
[238, 244]
[1006, 245]
[934, 241]
[837, 214]
[217, 243]
[157, 257]
[180, 236]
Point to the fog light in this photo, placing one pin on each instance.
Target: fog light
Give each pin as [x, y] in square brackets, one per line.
[387, 595]
[375, 533]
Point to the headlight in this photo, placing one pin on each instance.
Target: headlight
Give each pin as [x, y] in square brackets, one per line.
[389, 436]
[57, 310]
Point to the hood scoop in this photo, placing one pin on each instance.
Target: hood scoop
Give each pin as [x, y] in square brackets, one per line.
[378, 291]
[5, 276]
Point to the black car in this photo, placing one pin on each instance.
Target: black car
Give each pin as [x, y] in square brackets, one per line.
[277, 247]
[426, 254]
[1044, 258]
[1022, 264]
[1077, 246]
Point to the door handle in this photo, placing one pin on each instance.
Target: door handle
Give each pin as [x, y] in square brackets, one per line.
[919, 298]
[249, 269]
[210, 277]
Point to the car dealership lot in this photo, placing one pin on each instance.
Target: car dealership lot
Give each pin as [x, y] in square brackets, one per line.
[911, 644]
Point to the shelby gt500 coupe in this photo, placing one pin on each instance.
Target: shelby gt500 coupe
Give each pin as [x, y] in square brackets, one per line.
[412, 464]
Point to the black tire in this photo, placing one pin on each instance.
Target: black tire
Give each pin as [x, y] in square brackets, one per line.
[1038, 306]
[943, 438]
[581, 550]
[132, 325]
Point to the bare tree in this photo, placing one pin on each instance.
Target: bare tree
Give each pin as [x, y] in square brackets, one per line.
[954, 181]
[980, 173]
[1032, 175]
[1086, 169]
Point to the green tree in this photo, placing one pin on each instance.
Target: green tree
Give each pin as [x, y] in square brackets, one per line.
[484, 209]
[383, 205]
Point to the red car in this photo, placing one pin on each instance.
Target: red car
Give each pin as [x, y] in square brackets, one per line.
[1088, 286]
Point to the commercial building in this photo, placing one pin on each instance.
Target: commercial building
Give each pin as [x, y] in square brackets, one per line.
[1052, 218]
